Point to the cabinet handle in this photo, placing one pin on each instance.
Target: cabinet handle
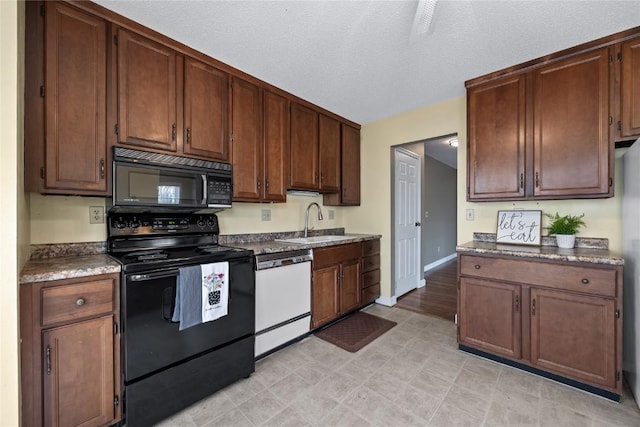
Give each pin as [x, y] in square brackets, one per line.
[517, 303]
[521, 180]
[173, 132]
[533, 307]
[102, 168]
[80, 302]
[47, 359]
[585, 281]
[537, 180]
[258, 183]
[477, 266]
[188, 135]
[266, 184]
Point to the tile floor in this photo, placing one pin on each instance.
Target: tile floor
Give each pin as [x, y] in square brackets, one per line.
[411, 376]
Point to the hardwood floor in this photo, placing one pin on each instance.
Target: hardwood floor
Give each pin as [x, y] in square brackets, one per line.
[438, 298]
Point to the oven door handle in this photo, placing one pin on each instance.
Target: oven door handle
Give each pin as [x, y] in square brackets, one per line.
[150, 276]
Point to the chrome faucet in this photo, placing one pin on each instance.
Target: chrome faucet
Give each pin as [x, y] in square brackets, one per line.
[306, 217]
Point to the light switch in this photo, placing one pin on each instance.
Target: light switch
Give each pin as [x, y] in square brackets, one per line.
[470, 215]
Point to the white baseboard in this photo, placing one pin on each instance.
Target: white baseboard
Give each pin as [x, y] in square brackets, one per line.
[439, 262]
[422, 283]
[388, 301]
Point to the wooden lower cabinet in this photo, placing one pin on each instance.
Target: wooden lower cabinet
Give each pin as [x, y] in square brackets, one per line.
[564, 318]
[335, 286]
[370, 271]
[70, 352]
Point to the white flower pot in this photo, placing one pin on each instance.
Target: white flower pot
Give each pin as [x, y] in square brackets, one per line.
[565, 241]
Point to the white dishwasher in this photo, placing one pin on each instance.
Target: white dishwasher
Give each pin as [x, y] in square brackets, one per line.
[283, 298]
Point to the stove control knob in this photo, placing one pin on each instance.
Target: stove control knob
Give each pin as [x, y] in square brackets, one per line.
[134, 223]
[119, 223]
[201, 222]
[211, 222]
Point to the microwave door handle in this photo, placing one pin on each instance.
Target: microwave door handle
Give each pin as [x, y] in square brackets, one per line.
[204, 189]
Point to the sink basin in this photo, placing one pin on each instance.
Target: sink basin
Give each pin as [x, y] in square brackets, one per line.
[314, 239]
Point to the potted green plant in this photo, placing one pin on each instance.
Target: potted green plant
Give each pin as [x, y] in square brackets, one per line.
[564, 228]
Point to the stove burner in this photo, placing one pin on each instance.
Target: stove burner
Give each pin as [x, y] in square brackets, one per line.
[148, 255]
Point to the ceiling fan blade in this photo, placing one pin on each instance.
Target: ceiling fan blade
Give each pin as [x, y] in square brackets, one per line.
[423, 17]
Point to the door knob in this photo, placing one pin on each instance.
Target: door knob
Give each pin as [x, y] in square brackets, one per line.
[417, 223]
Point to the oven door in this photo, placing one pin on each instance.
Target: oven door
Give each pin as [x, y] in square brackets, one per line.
[152, 342]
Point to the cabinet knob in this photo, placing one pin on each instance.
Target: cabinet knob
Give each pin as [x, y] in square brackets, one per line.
[80, 302]
[585, 281]
[477, 266]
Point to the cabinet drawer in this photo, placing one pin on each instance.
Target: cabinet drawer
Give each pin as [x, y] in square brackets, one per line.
[370, 247]
[371, 278]
[596, 281]
[332, 255]
[74, 301]
[370, 294]
[371, 263]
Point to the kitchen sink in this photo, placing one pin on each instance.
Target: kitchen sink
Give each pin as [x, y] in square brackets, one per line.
[314, 239]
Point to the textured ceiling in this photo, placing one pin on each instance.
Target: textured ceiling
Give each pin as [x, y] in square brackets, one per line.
[358, 58]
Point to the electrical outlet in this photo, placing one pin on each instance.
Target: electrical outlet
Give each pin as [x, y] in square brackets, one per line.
[96, 214]
[332, 214]
[266, 214]
[470, 214]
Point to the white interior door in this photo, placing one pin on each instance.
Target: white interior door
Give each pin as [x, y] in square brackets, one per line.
[407, 221]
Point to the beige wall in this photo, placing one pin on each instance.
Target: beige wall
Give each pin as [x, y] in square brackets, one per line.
[603, 216]
[13, 210]
[62, 219]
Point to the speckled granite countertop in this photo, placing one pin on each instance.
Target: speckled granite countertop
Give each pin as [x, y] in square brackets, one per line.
[596, 255]
[65, 267]
[272, 246]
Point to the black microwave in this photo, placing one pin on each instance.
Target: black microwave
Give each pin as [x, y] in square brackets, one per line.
[154, 180]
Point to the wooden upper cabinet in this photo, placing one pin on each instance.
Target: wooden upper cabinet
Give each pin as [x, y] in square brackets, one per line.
[630, 89]
[329, 146]
[349, 192]
[571, 127]
[496, 128]
[276, 147]
[246, 123]
[147, 93]
[206, 95]
[74, 90]
[304, 148]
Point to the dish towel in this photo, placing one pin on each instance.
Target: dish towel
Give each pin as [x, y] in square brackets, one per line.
[202, 294]
[215, 290]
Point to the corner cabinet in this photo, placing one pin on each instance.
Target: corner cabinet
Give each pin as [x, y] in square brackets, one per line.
[335, 286]
[561, 318]
[629, 63]
[65, 100]
[527, 129]
[349, 188]
[70, 352]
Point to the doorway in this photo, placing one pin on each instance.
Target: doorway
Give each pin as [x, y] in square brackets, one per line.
[433, 207]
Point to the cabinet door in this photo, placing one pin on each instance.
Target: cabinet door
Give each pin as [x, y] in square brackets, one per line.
[75, 100]
[246, 124]
[571, 128]
[276, 147]
[146, 93]
[630, 89]
[350, 185]
[206, 111]
[574, 335]
[78, 374]
[324, 295]
[496, 126]
[350, 292]
[304, 148]
[489, 316]
[329, 146]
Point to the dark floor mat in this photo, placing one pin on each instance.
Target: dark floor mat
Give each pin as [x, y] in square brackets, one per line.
[356, 331]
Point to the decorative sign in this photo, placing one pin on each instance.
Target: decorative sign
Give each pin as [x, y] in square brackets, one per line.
[519, 227]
